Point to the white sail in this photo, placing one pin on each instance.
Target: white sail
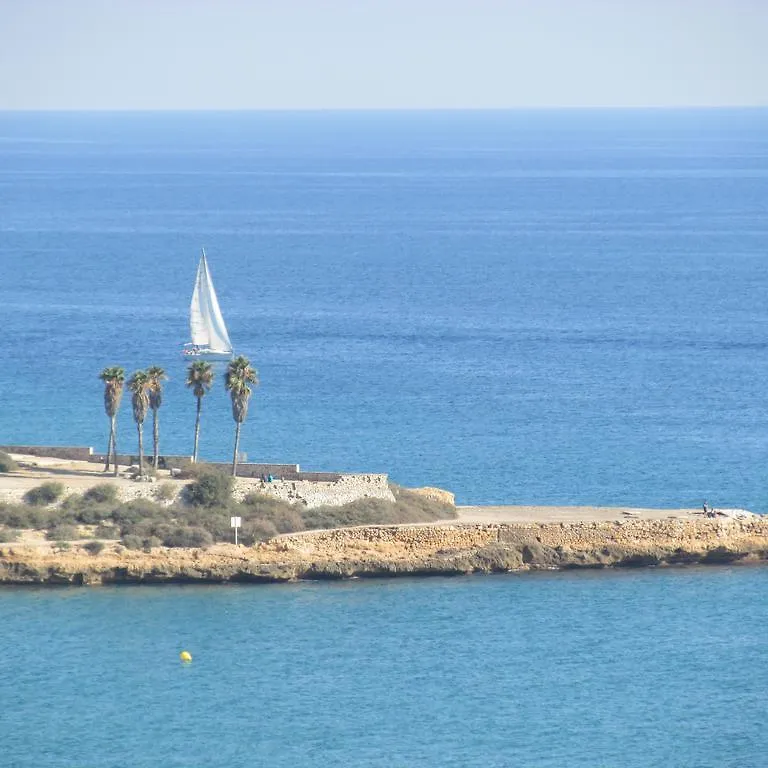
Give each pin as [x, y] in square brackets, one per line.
[197, 325]
[205, 321]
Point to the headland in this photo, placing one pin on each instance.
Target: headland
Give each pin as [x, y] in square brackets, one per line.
[467, 540]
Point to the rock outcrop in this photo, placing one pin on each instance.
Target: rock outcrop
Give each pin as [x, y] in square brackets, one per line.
[404, 550]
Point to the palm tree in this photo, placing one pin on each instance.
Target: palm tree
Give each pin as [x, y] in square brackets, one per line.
[239, 375]
[139, 386]
[114, 379]
[200, 381]
[156, 377]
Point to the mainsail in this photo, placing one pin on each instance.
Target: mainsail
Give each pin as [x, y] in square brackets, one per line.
[205, 321]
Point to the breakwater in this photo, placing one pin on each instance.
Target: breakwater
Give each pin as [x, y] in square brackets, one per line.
[373, 551]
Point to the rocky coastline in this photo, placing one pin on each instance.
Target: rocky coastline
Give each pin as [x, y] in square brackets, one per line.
[407, 550]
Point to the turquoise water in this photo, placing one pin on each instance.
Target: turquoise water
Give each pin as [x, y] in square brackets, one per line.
[632, 669]
[541, 307]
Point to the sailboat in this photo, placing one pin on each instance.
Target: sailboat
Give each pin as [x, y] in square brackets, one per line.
[209, 333]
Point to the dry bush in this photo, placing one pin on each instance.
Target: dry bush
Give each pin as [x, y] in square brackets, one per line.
[165, 491]
[103, 493]
[7, 464]
[93, 547]
[44, 494]
[63, 533]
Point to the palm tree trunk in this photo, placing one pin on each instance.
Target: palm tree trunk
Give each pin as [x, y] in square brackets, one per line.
[109, 446]
[140, 427]
[197, 429]
[237, 445]
[155, 438]
[114, 445]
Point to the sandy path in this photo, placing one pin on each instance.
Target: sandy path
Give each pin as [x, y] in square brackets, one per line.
[77, 476]
[528, 514]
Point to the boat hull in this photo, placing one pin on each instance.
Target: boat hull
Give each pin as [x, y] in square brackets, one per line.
[206, 354]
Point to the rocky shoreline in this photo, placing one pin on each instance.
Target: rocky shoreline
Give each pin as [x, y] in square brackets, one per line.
[410, 550]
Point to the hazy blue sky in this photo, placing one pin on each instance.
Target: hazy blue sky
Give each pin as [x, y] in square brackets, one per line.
[224, 54]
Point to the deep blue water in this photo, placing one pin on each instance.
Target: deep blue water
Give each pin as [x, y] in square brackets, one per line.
[548, 307]
[638, 669]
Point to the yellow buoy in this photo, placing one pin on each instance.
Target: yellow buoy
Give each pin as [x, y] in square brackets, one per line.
[185, 656]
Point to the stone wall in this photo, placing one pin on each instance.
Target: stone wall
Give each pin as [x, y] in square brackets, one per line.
[317, 493]
[164, 461]
[70, 452]
[250, 469]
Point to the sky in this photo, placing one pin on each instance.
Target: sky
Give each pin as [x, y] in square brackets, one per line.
[381, 54]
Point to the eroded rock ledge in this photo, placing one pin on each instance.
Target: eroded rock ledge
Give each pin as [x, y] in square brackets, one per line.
[406, 550]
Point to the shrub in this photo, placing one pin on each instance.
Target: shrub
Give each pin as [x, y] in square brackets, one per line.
[211, 488]
[285, 517]
[256, 530]
[188, 537]
[103, 493]
[62, 546]
[409, 507]
[151, 543]
[139, 511]
[72, 503]
[7, 464]
[417, 508]
[107, 532]
[215, 521]
[94, 547]
[92, 514]
[83, 510]
[62, 533]
[131, 541]
[44, 494]
[20, 516]
[165, 491]
[8, 535]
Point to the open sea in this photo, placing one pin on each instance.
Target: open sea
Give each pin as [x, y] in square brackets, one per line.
[551, 307]
[523, 307]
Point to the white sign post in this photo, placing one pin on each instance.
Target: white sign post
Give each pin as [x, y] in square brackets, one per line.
[235, 522]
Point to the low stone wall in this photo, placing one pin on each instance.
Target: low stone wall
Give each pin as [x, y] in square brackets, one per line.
[257, 470]
[546, 545]
[164, 461]
[316, 493]
[70, 452]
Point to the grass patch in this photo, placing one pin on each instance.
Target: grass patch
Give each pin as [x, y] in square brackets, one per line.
[44, 494]
[7, 535]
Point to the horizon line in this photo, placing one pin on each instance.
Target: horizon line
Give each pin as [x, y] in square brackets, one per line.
[539, 108]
